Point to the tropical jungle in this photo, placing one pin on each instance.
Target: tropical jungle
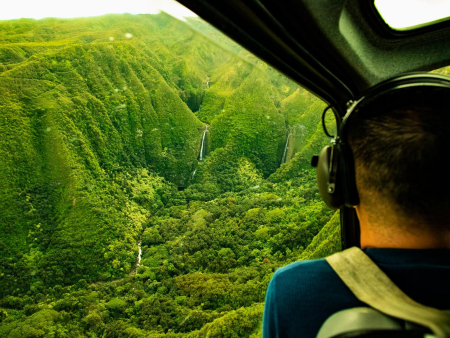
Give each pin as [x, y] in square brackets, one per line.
[153, 176]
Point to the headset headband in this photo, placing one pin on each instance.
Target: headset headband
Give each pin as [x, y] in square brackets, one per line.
[388, 86]
[335, 165]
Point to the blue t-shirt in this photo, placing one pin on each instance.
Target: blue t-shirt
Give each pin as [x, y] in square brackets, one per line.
[302, 295]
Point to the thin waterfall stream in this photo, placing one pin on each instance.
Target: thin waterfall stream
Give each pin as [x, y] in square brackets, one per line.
[202, 154]
[202, 148]
[139, 255]
[283, 159]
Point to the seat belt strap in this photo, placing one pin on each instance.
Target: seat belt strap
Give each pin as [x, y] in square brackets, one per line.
[371, 285]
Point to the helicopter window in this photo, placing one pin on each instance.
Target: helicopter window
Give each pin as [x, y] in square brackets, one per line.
[406, 15]
[153, 173]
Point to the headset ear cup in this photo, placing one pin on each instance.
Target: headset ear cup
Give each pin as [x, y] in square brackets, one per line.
[327, 179]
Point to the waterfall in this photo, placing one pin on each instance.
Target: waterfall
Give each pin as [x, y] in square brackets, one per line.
[283, 159]
[207, 84]
[193, 174]
[139, 256]
[202, 148]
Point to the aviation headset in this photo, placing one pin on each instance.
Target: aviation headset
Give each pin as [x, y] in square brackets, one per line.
[335, 165]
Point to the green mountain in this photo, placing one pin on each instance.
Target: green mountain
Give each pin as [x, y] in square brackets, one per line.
[110, 226]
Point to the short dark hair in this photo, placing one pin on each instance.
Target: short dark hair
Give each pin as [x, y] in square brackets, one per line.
[400, 144]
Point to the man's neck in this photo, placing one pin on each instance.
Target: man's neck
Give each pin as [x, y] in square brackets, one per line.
[395, 233]
[403, 240]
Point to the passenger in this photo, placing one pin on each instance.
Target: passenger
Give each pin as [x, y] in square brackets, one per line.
[400, 147]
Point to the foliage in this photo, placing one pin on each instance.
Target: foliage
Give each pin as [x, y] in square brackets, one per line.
[100, 140]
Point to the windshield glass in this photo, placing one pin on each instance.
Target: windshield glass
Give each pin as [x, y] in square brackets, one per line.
[153, 174]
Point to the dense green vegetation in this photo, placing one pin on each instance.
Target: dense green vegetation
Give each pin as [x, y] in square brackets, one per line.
[101, 122]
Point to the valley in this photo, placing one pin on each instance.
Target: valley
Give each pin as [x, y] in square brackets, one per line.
[153, 176]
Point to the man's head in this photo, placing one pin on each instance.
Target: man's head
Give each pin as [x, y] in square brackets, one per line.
[400, 143]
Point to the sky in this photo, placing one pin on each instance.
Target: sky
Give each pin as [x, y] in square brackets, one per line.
[407, 13]
[38, 9]
[397, 13]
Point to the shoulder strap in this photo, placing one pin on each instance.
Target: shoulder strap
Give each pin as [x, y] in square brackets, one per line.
[371, 286]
